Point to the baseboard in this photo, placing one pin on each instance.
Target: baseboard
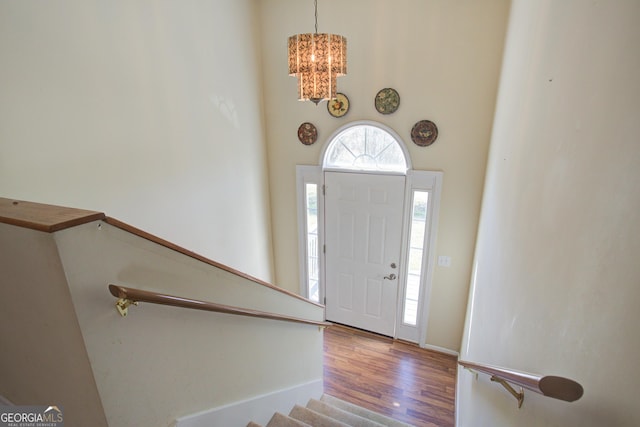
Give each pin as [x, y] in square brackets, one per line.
[259, 409]
[442, 350]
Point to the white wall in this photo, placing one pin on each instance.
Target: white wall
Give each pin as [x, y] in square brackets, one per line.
[555, 287]
[149, 111]
[443, 57]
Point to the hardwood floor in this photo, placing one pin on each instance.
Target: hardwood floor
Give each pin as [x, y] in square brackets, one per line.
[398, 379]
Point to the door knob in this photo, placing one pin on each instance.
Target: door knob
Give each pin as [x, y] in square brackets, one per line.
[390, 277]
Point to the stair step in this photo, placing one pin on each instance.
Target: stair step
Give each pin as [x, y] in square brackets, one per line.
[313, 418]
[346, 417]
[281, 420]
[362, 412]
[330, 411]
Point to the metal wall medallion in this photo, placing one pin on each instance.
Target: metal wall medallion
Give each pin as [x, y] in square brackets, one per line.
[387, 101]
[424, 133]
[307, 133]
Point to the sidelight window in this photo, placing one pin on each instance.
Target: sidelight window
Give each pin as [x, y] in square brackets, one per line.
[415, 257]
[313, 277]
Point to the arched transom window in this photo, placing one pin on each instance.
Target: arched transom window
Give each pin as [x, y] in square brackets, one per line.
[366, 146]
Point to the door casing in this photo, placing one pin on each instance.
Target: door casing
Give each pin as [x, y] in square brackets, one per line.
[430, 181]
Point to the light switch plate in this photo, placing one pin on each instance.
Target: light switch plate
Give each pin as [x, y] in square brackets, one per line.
[444, 261]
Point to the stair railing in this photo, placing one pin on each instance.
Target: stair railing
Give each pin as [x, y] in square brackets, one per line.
[129, 296]
[551, 386]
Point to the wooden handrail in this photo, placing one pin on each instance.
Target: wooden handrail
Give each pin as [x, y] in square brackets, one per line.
[52, 218]
[128, 296]
[155, 239]
[549, 385]
[41, 217]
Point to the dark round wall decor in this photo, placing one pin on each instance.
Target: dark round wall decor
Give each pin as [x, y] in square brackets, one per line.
[424, 133]
[307, 133]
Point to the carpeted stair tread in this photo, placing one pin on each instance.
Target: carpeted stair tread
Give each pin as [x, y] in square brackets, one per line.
[362, 412]
[346, 417]
[313, 418]
[281, 420]
[330, 411]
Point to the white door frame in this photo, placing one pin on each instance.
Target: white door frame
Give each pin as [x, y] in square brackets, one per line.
[430, 181]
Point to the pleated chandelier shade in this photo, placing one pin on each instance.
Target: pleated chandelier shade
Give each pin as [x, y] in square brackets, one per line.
[317, 60]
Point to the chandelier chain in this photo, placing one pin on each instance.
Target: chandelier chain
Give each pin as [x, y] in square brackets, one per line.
[315, 4]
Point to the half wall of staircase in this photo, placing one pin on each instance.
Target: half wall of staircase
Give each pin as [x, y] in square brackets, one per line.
[67, 345]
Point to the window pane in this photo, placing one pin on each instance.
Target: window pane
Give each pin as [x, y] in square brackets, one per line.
[416, 248]
[365, 147]
[311, 204]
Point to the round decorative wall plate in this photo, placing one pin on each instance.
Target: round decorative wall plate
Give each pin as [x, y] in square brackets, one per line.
[307, 133]
[387, 101]
[338, 106]
[424, 133]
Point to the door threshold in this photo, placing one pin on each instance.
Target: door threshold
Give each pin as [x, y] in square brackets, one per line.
[359, 331]
[364, 332]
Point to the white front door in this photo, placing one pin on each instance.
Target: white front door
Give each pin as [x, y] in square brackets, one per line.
[363, 234]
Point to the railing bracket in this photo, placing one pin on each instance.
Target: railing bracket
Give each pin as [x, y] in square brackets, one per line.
[123, 306]
[519, 396]
[474, 373]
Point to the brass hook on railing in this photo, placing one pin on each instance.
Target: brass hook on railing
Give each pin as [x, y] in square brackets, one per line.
[519, 396]
[123, 305]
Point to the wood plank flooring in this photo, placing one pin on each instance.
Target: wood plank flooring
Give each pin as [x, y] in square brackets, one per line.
[398, 379]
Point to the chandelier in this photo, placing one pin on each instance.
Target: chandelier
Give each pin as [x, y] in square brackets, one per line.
[317, 60]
